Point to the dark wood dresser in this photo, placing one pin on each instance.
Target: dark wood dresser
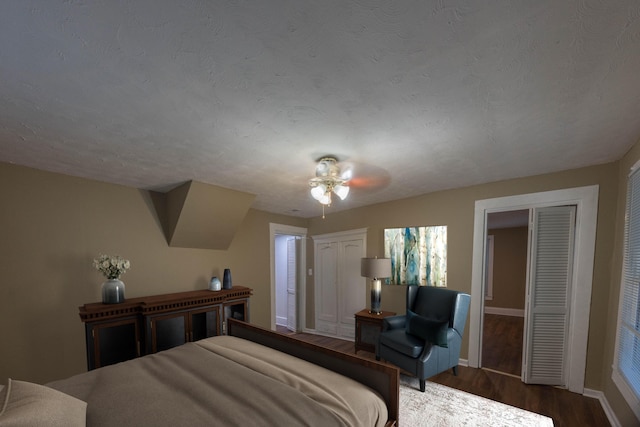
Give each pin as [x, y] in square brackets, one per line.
[138, 326]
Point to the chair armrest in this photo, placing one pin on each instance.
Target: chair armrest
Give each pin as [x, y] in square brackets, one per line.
[393, 322]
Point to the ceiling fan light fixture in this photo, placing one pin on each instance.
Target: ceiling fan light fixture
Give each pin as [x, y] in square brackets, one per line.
[328, 180]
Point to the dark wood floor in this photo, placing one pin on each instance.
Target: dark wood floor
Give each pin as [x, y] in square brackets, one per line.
[565, 408]
[502, 343]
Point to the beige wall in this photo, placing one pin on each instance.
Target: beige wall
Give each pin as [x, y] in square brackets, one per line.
[509, 267]
[455, 208]
[51, 228]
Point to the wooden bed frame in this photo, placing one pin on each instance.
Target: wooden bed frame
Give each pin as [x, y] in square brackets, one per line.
[382, 378]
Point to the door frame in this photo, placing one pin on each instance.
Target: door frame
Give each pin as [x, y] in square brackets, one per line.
[289, 230]
[586, 201]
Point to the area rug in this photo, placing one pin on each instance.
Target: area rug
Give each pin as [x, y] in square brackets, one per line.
[442, 406]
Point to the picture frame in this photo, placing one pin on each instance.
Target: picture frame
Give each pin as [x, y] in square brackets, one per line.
[418, 255]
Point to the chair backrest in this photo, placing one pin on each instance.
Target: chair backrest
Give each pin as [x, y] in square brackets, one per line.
[434, 303]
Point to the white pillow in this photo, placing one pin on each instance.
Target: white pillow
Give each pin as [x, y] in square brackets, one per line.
[29, 404]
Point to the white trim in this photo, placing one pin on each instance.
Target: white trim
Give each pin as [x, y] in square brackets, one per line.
[628, 394]
[621, 383]
[635, 166]
[586, 201]
[608, 411]
[300, 293]
[515, 312]
[488, 292]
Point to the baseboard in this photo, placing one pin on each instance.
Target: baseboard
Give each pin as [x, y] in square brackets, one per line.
[515, 312]
[611, 416]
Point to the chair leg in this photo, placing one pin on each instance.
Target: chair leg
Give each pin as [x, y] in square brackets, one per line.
[377, 357]
[422, 385]
[455, 370]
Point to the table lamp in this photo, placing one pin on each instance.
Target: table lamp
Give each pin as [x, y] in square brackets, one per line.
[375, 269]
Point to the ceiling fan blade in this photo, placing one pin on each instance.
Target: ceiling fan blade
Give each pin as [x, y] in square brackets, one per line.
[371, 182]
[355, 174]
[362, 175]
[346, 173]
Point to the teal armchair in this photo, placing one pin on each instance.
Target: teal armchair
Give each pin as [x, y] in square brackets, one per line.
[427, 339]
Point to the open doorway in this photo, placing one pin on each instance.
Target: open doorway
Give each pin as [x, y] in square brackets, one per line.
[505, 288]
[585, 203]
[287, 277]
[288, 255]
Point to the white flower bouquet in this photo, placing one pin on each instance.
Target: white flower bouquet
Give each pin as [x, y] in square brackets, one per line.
[111, 266]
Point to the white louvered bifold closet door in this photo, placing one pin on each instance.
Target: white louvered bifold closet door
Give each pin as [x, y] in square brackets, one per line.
[552, 244]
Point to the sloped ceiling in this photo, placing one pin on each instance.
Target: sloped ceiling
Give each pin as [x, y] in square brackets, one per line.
[198, 215]
[416, 96]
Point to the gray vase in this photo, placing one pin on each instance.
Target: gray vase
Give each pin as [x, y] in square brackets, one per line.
[112, 291]
[226, 279]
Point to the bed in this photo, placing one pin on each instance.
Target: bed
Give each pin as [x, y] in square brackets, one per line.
[251, 376]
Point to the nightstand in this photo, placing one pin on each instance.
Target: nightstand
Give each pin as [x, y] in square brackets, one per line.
[368, 327]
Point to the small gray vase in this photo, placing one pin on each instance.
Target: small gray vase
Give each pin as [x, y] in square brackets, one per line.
[112, 291]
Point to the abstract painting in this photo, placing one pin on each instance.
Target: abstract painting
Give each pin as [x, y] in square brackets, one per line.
[418, 255]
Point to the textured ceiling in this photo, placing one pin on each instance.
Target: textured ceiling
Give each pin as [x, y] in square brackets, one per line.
[416, 96]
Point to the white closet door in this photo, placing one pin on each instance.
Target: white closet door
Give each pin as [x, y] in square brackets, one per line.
[327, 289]
[340, 291]
[293, 254]
[552, 245]
[352, 289]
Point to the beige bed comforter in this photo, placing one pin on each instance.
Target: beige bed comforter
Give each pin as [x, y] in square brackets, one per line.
[223, 381]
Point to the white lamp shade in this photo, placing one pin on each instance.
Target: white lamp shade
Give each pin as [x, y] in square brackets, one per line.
[325, 199]
[341, 191]
[375, 268]
[319, 191]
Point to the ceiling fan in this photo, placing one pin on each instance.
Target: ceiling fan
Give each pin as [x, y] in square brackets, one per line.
[329, 179]
[333, 177]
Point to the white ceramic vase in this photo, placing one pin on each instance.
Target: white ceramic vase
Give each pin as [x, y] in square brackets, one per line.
[214, 284]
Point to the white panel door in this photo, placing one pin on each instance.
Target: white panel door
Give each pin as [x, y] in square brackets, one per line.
[339, 289]
[327, 287]
[352, 286]
[548, 300]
